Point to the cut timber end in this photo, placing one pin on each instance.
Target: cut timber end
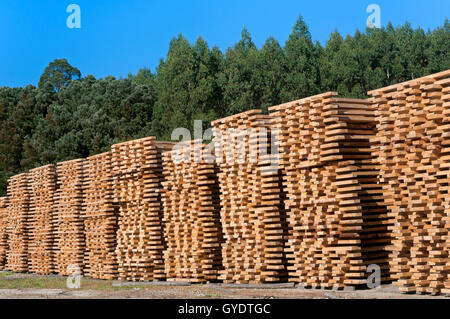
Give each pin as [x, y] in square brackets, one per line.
[42, 185]
[236, 116]
[3, 231]
[412, 127]
[136, 190]
[326, 154]
[18, 223]
[69, 207]
[193, 231]
[100, 218]
[394, 87]
[304, 100]
[252, 214]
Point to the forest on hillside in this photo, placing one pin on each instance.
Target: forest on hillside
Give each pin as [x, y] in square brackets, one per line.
[69, 116]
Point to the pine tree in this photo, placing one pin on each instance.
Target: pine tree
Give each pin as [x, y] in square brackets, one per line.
[272, 66]
[238, 80]
[302, 64]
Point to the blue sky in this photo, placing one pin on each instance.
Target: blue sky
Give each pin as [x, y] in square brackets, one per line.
[118, 37]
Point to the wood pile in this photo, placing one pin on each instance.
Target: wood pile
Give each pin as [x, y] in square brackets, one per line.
[191, 198]
[252, 214]
[317, 193]
[100, 218]
[18, 223]
[413, 148]
[3, 231]
[42, 185]
[337, 222]
[137, 177]
[69, 238]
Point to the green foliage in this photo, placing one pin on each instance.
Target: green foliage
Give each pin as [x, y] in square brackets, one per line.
[272, 67]
[302, 58]
[58, 74]
[239, 77]
[186, 86]
[68, 116]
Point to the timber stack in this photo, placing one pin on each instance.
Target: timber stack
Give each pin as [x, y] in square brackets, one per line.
[100, 218]
[3, 231]
[191, 198]
[69, 239]
[252, 213]
[18, 223]
[42, 185]
[137, 177]
[337, 221]
[413, 149]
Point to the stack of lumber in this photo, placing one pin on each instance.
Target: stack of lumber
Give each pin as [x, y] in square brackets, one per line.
[413, 148]
[191, 198]
[42, 184]
[137, 177]
[18, 223]
[252, 214]
[69, 239]
[3, 231]
[445, 187]
[337, 221]
[100, 219]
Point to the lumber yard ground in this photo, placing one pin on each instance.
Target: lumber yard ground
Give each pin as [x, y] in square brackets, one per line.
[25, 286]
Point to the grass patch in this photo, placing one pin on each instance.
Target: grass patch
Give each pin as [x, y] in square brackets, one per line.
[36, 283]
[94, 284]
[56, 282]
[4, 274]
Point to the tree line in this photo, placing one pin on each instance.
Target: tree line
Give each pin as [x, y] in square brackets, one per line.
[68, 116]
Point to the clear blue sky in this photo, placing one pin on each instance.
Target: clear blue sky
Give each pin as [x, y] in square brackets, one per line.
[118, 37]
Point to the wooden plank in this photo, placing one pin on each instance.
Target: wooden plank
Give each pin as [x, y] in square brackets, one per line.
[3, 231]
[137, 176]
[69, 224]
[42, 184]
[414, 174]
[18, 219]
[100, 218]
[329, 168]
[253, 223]
[191, 197]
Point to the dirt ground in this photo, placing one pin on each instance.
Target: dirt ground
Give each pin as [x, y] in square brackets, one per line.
[26, 286]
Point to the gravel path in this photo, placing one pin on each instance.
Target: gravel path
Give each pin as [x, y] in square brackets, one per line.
[45, 288]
